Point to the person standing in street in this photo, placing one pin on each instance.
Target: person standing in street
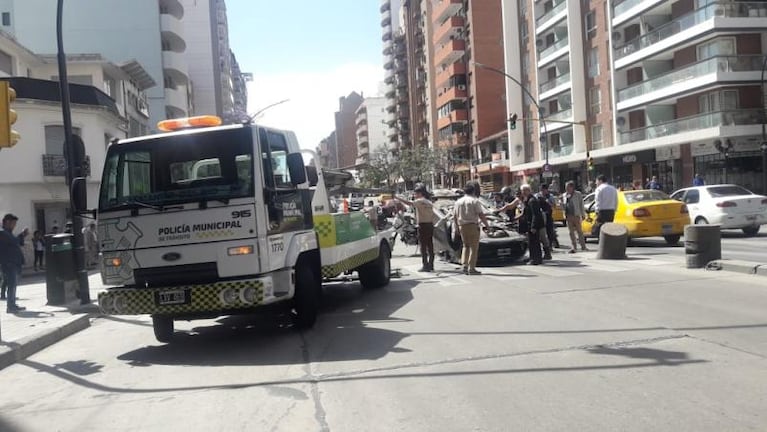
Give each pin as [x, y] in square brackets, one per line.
[574, 214]
[531, 223]
[698, 180]
[38, 244]
[424, 216]
[11, 261]
[605, 203]
[467, 214]
[548, 235]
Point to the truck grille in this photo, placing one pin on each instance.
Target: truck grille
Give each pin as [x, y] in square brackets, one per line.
[189, 274]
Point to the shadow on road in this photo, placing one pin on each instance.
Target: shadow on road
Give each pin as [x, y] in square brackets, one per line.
[668, 358]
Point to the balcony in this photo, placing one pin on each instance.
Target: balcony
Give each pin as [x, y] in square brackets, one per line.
[448, 30]
[174, 64]
[559, 83]
[497, 162]
[389, 77]
[172, 30]
[443, 76]
[388, 48]
[628, 8]
[362, 118]
[172, 7]
[442, 9]
[56, 166]
[362, 159]
[176, 100]
[698, 122]
[457, 116]
[387, 34]
[448, 94]
[553, 51]
[386, 18]
[691, 25]
[450, 52]
[385, 5]
[362, 130]
[553, 120]
[400, 66]
[705, 72]
[546, 20]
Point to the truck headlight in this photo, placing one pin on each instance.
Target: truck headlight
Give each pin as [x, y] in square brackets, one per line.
[248, 295]
[228, 296]
[106, 303]
[240, 250]
[119, 304]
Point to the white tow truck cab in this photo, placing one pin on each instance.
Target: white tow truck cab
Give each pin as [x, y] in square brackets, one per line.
[218, 220]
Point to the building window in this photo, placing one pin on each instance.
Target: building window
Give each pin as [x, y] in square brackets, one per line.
[54, 139]
[725, 100]
[593, 62]
[591, 24]
[6, 19]
[596, 136]
[595, 100]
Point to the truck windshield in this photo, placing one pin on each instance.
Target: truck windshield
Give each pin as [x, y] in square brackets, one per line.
[206, 166]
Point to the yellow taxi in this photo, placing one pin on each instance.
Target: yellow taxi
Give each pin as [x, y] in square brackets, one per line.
[645, 213]
[558, 212]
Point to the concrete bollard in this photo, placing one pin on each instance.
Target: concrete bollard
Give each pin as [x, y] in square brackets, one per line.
[612, 241]
[702, 244]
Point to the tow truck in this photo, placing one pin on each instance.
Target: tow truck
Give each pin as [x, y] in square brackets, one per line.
[204, 220]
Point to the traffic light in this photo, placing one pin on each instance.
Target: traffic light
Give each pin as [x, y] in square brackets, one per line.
[8, 136]
[591, 164]
[513, 121]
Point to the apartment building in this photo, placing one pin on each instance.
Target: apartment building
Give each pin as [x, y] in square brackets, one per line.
[469, 101]
[372, 129]
[415, 26]
[240, 90]
[150, 32]
[346, 130]
[327, 151]
[645, 88]
[392, 38]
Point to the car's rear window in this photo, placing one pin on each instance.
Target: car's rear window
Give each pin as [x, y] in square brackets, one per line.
[723, 191]
[645, 196]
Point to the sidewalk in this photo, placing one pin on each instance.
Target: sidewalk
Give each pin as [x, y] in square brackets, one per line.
[40, 325]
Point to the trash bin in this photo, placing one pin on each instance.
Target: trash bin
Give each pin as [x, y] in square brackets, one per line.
[60, 275]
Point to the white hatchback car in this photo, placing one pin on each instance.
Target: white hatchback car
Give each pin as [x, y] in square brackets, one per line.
[731, 206]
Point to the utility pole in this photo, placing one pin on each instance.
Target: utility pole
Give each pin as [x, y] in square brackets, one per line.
[74, 166]
[763, 145]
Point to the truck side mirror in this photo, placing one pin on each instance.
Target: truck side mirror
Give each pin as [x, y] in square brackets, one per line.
[296, 168]
[79, 195]
[311, 174]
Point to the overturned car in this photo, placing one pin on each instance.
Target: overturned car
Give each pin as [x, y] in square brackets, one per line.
[499, 245]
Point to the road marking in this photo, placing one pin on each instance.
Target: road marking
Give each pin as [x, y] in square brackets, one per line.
[551, 271]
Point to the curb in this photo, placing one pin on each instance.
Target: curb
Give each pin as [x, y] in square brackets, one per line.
[739, 266]
[25, 347]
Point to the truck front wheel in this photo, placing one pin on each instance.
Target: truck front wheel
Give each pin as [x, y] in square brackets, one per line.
[306, 301]
[163, 328]
[376, 274]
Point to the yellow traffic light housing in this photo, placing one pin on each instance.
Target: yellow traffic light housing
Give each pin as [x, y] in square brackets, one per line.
[8, 116]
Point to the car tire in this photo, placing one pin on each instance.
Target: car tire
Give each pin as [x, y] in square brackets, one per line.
[376, 274]
[751, 231]
[306, 300]
[700, 220]
[672, 240]
[163, 328]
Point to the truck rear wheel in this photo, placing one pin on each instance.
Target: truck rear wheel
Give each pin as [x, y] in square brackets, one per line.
[306, 301]
[376, 274]
[163, 328]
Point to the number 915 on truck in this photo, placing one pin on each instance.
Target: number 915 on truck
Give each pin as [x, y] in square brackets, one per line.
[206, 220]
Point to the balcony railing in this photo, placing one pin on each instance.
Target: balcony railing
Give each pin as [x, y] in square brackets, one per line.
[707, 120]
[701, 68]
[553, 48]
[556, 82]
[548, 15]
[719, 9]
[56, 166]
[560, 115]
[624, 6]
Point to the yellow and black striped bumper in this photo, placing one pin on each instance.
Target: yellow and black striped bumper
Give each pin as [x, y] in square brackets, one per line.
[225, 295]
[351, 263]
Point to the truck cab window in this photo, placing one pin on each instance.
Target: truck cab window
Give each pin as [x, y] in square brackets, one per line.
[275, 158]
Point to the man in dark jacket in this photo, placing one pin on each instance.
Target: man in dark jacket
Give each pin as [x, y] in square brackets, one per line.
[531, 223]
[11, 260]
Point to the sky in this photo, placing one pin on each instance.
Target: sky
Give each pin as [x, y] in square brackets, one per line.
[310, 52]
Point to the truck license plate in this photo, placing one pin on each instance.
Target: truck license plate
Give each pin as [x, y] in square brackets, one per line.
[504, 252]
[174, 297]
[667, 228]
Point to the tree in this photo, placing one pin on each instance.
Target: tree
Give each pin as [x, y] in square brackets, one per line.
[382, 168]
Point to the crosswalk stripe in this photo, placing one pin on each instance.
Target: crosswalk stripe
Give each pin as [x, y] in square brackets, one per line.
[550, 271]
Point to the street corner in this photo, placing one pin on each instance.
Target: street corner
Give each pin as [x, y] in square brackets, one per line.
[17, 350]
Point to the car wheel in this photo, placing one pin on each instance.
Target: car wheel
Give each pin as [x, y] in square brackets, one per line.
[701, 221]
[672, 239]
[751, 231]
[163, 328]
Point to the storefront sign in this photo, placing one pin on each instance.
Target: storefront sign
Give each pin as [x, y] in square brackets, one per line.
[702, 149]
[739, 145]
[668, 153]
[632, 158]
[629, 159]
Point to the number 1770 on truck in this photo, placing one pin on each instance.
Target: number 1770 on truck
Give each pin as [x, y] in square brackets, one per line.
[207, 220]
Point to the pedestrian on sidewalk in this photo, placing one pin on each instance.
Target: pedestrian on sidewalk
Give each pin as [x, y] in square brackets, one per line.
[467, 214]
[424, 216]
[531, 223]
[574, 214]
[605, 203]
[38, 244]
[11, 261]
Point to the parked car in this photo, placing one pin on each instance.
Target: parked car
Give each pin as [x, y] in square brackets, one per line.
[728, 205]
[645, 213]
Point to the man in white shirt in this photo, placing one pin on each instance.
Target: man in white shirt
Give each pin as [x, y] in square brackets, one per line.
[424, 216]
[467, 213]
[605, 202]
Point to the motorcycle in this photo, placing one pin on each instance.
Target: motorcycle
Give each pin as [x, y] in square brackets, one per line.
[405, 228]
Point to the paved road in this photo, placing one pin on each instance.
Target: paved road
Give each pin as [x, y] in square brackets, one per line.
[578, 344]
